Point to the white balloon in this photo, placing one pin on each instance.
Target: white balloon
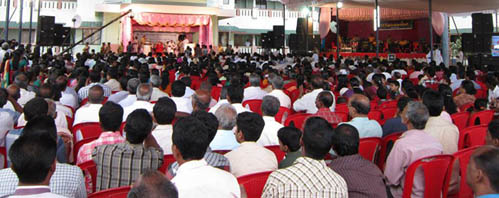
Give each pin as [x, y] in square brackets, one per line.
[332, 25]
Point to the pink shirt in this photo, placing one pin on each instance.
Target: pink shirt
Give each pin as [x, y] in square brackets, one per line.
[412, 146]
[85, 152]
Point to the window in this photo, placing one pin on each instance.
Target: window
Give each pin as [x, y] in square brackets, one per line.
[95, 39]
[262, 4]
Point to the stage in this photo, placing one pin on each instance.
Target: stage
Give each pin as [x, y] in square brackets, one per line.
[371, 55]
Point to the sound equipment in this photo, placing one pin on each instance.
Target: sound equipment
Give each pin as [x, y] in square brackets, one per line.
[483, 42]
[482, 23]
[266, 40]
[293, 42]
[303, 28]
[468, 43]
[45, 33]
[66, 36]
[278, 36]
[58, 34]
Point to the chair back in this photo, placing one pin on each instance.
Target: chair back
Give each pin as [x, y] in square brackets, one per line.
[375, 115]
[120, 192]
[463, 158]
[388, 104]
[472, 136]
[460, 119]
[341, 108]
[277, 151]
[342, 115]
[368, 147]
[254, 105]
[374, 104]
[215, 92]
[167, 160]
[254, 183]
[282, 114]
[436, 176]
[466, 106]
[388, 113]
[297, 119]
[3, 151]
[86, 130]
[386, 146]
[90, 169]
[484, 116]
[79, 144]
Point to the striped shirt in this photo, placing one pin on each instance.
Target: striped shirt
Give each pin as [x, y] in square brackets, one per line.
[83, 92]
[213, 159]
[307, 177]
[121, 164]
[85, 152]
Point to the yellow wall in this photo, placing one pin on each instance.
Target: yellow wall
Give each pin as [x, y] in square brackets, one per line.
[112, 32]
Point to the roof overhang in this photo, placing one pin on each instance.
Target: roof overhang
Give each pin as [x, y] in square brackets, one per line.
[170, 9]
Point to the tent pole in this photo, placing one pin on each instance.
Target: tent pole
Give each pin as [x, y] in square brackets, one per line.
[377, 28]
[21, 22]
[446, 40]
[6, 28]
[430, 26]
[338, 37]
[455, 26]
[284, 27]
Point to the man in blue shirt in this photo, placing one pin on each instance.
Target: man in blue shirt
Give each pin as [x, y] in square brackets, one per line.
[483, 169]
[358, 108]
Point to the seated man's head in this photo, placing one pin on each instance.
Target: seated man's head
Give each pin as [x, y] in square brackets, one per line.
[164, 111]
[144, 92]
[226, 115]
[345, 140]
[190, 139]
[277, 82]
[110, 116]
[434, 101]
[14, 91]
[94, 76]
[415, 115]
[270, 105]
[21, 80]
[402, 103]
[178, 88]
[155, 80]
[254, 80]
[235, 93]
[316, 139]
[35, 107]
[132, 85]
[482, 171]
[138, 126]
[289, 139]
[317, 82]
[45, 91]
[201, 100]
[324, 100]
[153, 184]
[492, 137]
[209, 121]
[95, 94]
[249, 127]
[358, 106]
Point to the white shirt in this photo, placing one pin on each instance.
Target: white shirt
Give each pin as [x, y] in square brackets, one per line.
[251, 158]
[269, 133]
[8, 118]
[219, 103]
[163, 135]
[137, 105]
[69, 97]
[26, 96]
[224, 140]
[129, 100]
[196, 179]
[239, 108]
[60, 122]
[188, 92]
[44, 195]
[400, 71]
[284, 99]
[254, 93]
[118, 96]
[157, 94]
[307, 102]
[493, 94]
[113, 84]
[183, 104]
[87, 113]
[61, 108]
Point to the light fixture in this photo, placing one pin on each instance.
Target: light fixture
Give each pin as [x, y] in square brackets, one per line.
[305, 11]
[339, 5]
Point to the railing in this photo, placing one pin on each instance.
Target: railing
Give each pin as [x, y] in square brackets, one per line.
[65, 5]
[256, 13]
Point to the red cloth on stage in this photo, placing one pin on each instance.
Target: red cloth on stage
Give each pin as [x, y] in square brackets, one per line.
[159, 48]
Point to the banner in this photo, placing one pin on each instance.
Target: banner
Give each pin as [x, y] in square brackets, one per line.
[397, 25]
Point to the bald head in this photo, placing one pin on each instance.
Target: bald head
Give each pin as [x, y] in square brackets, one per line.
[144, 92]
[14, 91]
[21, 80]
[201, 100]
[96, 94]
[359, 105]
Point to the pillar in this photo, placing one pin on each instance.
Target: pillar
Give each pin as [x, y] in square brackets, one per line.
[214, 28]
[445, 41]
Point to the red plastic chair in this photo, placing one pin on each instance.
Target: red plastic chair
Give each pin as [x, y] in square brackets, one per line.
[388, 113]
[375, 115]
[167, 160]
[368, 147]
[254, 105]
[388, 104]
[485, 117]
[79, 144]
[84, 101]
[69, 121]
[222, 152]
[282, 114]
[341, 108]
[436, 176]
[465, 107]
[122, 127]
[89, 167]
[254, 183]
[297, 119]
[215, 92]
[86, 130]
[463, 156]
[277, 151]
[460, 119]
[120, 192]
[472, 136]
[3, 151]
[386, 146]
[374, 104]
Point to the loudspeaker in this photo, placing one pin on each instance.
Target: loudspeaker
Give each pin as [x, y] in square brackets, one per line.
[482, 23]
[303, 28]
[266, 40]
[278, 36]
[58, 33]
[66, 36]
[468, 43]
[293, 42]
[45, 33]
[482, 43]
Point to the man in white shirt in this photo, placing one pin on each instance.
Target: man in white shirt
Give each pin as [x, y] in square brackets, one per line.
[48, 91]
[94, 77]
[277, 85]
[254, 92]
[307, 102]
[201, 100]
[132, 91]
[144, 92]
[195, 178]
[155, 80]
[163, 115]
[225, 138]
[178, 91]
[250, 157]
[112, 75]
[188, 91]
[69, 96]
[235, 96]
[22, 81]
[90, 111]
[270, 107]
[8, 118]
[223, 100]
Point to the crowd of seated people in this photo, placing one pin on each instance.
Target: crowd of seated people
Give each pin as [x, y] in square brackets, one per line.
[166, 125]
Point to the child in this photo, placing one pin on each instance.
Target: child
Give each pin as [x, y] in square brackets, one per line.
[480, 105]
[289, 142]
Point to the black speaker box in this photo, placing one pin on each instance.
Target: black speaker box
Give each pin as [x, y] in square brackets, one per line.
[45, 33]
[482, 23]
[468, 44]
[58, 34]
[483, 42]
[278, 36]
[303, 28]
[293, 42]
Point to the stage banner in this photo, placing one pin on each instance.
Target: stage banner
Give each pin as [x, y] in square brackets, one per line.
[397, 25]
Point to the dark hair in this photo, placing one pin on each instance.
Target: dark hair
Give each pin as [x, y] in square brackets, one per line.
[345, 140]
[164, 110]
[449, 104]
[469, 87]
[32, 157]
[153, 184]
[317, 82]
[138, 126]
[35, 107]
[270, 105]
[494, 129]
[480, 104]
[360, 107]
[113, 73]
[235, 93]
[94, 76]
[110, 116]
[210, 122]
[434, 102]
[488, 162]
[290, 136]
[326, 98]
[3, 97]
[251, 125]
[178, 88]
[382, 93]
[191, 138]
[402, 102]
[96, 94]
[317, 137]
[41, 125]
